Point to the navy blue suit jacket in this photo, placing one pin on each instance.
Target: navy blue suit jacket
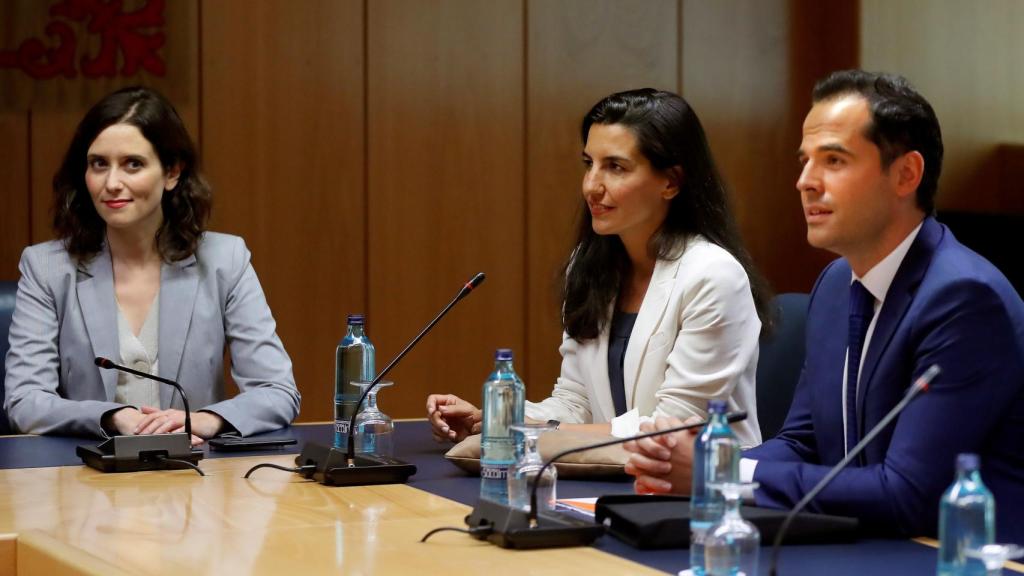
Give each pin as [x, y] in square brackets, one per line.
[946, 306]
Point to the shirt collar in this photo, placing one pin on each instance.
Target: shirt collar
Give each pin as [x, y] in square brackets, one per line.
[878, 279]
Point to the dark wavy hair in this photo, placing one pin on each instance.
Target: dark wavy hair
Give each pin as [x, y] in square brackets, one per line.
[186, 208]
[668, 134]
[901, 121]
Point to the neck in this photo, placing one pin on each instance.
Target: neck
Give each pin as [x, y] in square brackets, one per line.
[132, 246]
[864, 260]
[640, 260]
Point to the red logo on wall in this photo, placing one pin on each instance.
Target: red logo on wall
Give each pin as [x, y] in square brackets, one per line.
[136, 35]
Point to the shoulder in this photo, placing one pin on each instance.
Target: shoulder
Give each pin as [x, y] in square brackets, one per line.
[222, 250]
[47, 259]
[705, 263]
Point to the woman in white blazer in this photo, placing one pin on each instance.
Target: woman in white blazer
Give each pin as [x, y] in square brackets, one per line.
[662, 307]
[135, 278]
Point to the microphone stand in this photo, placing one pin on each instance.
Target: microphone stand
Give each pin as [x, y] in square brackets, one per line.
[920, 385]
[333, 467]
[134, 453]
[510, 527]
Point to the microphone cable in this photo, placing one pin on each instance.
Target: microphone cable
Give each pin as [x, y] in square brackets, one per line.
[475, 530]
[184, 463]
[297, 469]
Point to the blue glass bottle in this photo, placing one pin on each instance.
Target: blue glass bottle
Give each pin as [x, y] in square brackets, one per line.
[716, 458]
[504, 396]
[353, 361]
[967, 520]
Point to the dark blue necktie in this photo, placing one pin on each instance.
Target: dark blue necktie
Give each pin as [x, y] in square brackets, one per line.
[862, 309]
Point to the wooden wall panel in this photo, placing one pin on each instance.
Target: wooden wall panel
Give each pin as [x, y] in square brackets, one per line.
[966, 60]
[445, 113]
[282, 134]
[14, 191]
[578, 52]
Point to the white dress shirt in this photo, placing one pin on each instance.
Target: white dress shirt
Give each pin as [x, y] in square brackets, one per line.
[876, 281]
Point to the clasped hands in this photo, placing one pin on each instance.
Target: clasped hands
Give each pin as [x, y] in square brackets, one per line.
[149, 420]
[663, 463]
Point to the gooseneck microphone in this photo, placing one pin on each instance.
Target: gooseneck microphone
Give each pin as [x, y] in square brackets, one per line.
[333, 467]
[922, 384]
[510, 527]
[466, 289]
[110, 365]
[133, 453]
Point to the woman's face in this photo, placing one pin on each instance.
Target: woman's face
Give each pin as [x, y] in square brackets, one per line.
[625, 194]
[126, 180]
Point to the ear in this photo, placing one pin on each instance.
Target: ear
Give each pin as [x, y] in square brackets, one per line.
[675, 182]
[173, 175]
[908, 171]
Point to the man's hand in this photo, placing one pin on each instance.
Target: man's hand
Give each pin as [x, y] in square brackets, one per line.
[452, 418]
[663, 463]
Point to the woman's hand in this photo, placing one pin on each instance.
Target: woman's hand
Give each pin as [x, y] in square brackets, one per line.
[155, 421]
[452, 418]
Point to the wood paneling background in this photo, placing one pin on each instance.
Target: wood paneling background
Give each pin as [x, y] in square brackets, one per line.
[376, 154]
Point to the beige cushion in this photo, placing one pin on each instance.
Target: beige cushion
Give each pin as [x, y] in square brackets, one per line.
[607, 461]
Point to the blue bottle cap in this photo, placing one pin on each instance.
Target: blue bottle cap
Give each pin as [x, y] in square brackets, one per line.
[967, 462]
[356, 319]
[502, 354]
[717, 406]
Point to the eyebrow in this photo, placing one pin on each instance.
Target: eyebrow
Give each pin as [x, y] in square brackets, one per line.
[831, 147]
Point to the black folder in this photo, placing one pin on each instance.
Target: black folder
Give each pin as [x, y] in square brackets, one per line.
[661, 521]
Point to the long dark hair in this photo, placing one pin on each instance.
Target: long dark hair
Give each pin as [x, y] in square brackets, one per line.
[186, 208]
[668, 134]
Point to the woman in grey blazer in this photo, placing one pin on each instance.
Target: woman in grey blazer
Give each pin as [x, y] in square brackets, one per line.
[134, 276]
[662, 307]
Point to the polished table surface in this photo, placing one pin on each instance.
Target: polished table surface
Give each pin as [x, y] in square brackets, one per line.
[172, 522]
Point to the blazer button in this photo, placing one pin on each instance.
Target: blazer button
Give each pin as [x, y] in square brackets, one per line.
[141, 366]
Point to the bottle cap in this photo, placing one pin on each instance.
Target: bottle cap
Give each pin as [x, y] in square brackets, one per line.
[502, 354]
[356, 319]
[967, 461]
[717, 406]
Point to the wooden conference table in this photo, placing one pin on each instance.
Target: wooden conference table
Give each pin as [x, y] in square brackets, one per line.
[58, 517]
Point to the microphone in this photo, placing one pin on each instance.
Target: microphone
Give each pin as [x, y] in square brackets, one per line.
[466, 289]
[921, 385]
[110, 365]
[514, 528]
[133, 453]
[332, 467]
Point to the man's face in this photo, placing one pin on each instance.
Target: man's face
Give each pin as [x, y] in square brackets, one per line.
[849, 200]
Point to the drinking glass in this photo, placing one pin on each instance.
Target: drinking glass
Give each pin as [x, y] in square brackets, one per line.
[995, 555]
[523, 474]
[374, 430]
[732, 544]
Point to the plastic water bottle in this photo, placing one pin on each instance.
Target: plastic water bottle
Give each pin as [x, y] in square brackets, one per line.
[504, 396]
[353, 361]
[716, 458]
[967, 520]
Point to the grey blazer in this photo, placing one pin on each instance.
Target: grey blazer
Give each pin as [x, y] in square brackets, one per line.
[66, 314]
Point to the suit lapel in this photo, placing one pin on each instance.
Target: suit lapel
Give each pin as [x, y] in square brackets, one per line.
[99, 311]
[652, 309]
[178, 284]
[897, 301]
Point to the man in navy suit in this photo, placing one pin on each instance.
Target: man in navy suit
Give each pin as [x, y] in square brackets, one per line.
[903, 296]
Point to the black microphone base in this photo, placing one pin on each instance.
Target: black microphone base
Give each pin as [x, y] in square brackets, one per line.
[139, 453]
[332, 468]
[510, 528]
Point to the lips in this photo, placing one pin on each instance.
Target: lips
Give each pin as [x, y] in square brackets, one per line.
[816, 213]
[116, 204]
[599, 209]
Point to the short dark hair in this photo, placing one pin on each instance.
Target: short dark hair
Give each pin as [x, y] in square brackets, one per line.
[901, 121]
[186, 208]
[668, 134]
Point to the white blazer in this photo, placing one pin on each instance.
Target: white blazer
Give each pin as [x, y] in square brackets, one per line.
[695, 339]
